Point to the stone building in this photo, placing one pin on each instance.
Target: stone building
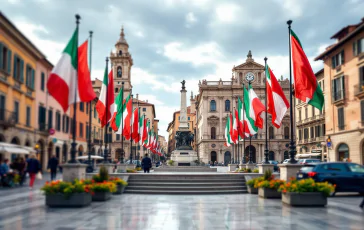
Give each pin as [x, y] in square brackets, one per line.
[310, 127]
[344, 90]
[217, 99]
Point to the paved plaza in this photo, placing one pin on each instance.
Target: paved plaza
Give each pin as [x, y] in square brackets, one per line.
[24, 209]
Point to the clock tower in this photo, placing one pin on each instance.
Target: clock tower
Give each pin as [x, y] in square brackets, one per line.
[121, 63]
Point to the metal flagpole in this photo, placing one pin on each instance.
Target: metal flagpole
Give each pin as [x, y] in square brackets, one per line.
[131, 131]
[122, 126]
[266, 151]
[250, 144]
[90, 168]
[106, 108]
[74, 144]
[140, 136]
[244, 155]
[292, 144]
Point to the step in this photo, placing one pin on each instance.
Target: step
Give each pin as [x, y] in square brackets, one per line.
[166, 184]
[179, 192]
[187, 188]
[131, 180]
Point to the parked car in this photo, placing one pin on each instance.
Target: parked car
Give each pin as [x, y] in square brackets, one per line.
[285, 161]
[348, 177]
[275, 163]
[308, 161]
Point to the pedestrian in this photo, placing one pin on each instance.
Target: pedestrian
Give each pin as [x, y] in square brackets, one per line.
[33, 167]
[146, 163]
[362, 204]
[19, 165]
[4, 170]
[53, 165]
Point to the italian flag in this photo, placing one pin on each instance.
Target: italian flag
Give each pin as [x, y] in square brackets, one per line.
[247, 119]
[142, 129]
[135, 126]
[234, 130]
[147, 141]
[306, 87]
[126, 116]
[228, 140]
[255, 108]
[105, 105]
[63, 83]
[243, 129]
[277, 103]
[118, 111]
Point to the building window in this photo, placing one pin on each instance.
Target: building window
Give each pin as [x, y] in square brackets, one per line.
[213, 133]
[118, 137]
[82, 107]
[119, 72]
[87, 130]
[318, 131]
[87, 107]
[16, 111]
[337, 60]
[42, 81]
[286, 132]
[81, 129]
[64, 123]
[2, 107]
[306, 113]
[58, 121]
[323, 130]
[5, 58]
[271, 132]
[362, 111]
[305, 134]
[28, 116]
[300, 134]
[212, 105]
[343, 151]
[313, 112]
[50, 119]
[116, 90]
[95, 114]
[361, 79]
[312, 132]
[338, 88]
[358, 46]
[18, 70]
[340, 115]
[227, 105]
[189, 118]
[42, 118]
[29, 78]
[299, 115]
[144, 109]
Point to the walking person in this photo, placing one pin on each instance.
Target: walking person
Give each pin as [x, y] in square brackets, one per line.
[4, 170]
[53, 165]
[20, 166]
[33, 167]
[146, 163]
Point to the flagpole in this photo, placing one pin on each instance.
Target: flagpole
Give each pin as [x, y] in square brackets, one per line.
[105, 117]
[138, 148]
[122, 126]
[90, 111]
[244, 156]
[250, 143]
[266, 151]
[292, 144]
[131, 131]
[74, 144]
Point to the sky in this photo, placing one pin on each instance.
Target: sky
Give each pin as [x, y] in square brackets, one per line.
[175, 40]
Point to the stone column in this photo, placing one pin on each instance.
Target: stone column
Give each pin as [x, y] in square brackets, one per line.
[205, 111]
[288, 170]
[74, 171]
[183, 123]
[221, 115]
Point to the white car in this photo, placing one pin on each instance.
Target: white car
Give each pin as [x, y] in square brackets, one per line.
[285, 161]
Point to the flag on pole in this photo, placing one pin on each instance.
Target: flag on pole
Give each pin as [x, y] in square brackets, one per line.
[306, 87]
[63, 80]
[135, 126]
[247, 119]
[228, 140]
[127, 116]
[146, 142]
[277, 103]
[142, 129]
[104, 110]
[234, 128]
[256, 108]
[243, 126]
[118, 109]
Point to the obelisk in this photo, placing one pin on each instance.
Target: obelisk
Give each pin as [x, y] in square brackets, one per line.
[183, 123]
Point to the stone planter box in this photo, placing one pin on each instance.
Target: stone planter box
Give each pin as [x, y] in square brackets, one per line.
[252, 190]
[119, 189]
[75, 200]
[304, 199]
[269, 193]
[101, 196]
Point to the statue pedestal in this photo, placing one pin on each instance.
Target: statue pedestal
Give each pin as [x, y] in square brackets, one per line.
[184, 157]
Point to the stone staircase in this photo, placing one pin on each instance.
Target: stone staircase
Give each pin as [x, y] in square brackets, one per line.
[186, 184]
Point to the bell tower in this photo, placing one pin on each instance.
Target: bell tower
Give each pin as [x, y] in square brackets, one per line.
[121, 62]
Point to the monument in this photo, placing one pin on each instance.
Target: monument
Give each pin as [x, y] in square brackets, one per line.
[184, 155]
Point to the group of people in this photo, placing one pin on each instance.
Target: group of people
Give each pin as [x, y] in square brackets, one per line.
[20, 167]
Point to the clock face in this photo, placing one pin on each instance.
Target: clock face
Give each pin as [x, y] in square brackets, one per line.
[249, 76]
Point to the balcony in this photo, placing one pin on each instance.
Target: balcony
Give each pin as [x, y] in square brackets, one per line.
[7, 118]
[359, 90]
[305, 141]
[319, 117]
[338, 97]
[320, 138]
[43, 129]
[299, 122]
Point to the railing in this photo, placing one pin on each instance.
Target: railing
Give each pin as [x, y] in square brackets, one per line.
[305, 141]
[43, 127]
[338, 95]
[359, 88]
[212, 83]
[7, 118]
[226, 83]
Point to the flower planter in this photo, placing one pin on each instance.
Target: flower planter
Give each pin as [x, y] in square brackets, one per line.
[252, 190]
[101, 196]
[119, 189]
[269, 193]
[75, 200]
[304, 199]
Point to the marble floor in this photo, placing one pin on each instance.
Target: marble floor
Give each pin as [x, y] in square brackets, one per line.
[24, 209]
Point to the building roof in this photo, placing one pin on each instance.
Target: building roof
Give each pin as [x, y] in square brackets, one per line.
[351, 31]
[319, 72]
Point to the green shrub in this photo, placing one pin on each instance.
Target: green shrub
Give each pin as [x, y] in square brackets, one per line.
[256, 171]
[104, 174]
[170, 162]
[248, 170]
[267, 175]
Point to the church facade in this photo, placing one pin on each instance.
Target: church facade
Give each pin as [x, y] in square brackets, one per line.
[217, 99]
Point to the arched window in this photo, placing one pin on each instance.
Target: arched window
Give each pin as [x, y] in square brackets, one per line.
[271, 132]
[213, 133]
[212, 105]
[227, 105]
[286, 133]
[119, 72]
[240, 76]
[120, 52]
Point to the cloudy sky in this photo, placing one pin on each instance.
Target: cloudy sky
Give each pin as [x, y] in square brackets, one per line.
[172, 40]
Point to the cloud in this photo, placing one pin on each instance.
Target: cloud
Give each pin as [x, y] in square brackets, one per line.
[227, 12]
[190, 19]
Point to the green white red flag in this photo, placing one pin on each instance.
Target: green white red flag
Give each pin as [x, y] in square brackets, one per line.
[243, 129]
[247, 119]
[142, 130]
[256, 108]
[64, 81]
[306, 87]
[135, 126]
[105, 104]
[235, 134]
[228, 140]
[277, 103]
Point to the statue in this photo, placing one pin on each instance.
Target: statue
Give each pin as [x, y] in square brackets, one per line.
[183, 84]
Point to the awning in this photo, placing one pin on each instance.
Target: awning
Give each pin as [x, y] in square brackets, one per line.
[29, 149]
[11, 148]
[308, 155]
[86, 157]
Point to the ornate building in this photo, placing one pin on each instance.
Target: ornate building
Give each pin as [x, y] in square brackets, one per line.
[217, 99]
